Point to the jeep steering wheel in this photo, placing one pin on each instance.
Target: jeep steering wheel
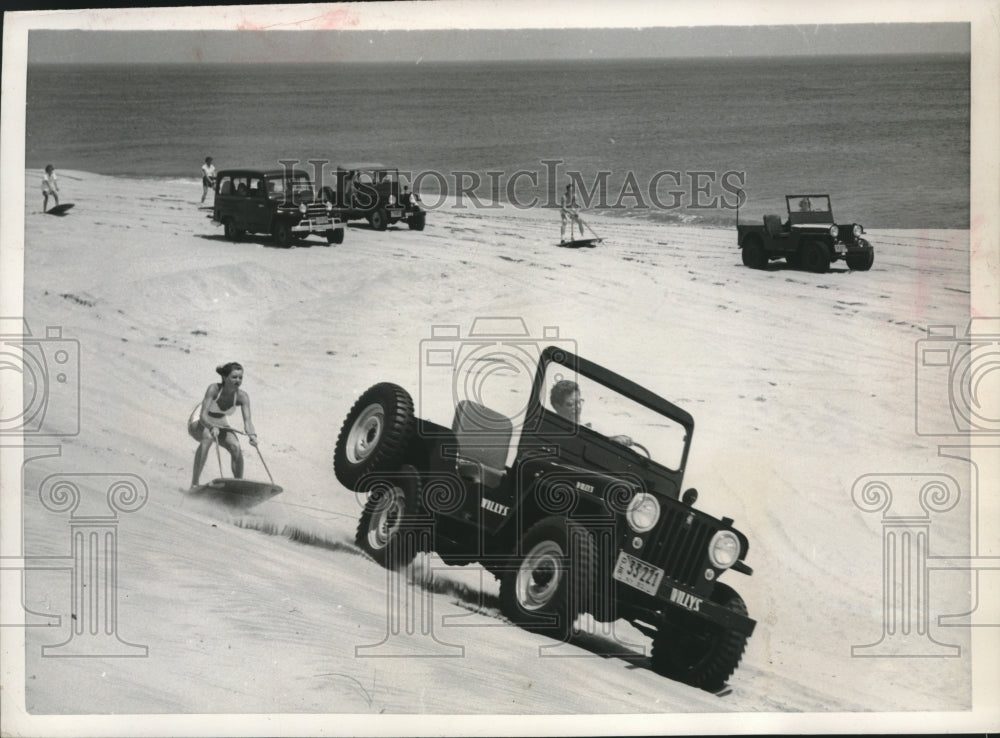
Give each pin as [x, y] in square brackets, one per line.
[636, 444]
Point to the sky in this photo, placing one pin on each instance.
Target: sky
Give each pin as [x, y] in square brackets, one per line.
[303, 46]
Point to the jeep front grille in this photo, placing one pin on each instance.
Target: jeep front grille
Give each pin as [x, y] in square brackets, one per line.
[680, 545]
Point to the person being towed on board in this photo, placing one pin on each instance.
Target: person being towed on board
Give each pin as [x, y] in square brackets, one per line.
[208, 422]
[50, 186]
[568, 213]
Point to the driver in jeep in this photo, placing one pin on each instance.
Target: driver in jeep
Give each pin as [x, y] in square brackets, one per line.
[566, 401]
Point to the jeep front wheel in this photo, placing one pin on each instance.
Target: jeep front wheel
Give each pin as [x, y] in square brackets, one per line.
[815, 256]
[705, 656]
[754, 255]
[379, 219]
[549, 579]
[335, 235]
[417, 221]
[383, 531]
[375, 435]
[282, 235]
[861, 261]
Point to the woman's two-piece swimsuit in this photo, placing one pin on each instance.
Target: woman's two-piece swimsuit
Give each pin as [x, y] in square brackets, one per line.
[216, 413]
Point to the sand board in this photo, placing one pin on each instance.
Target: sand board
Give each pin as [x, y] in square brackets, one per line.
[580, 243]
[241, 493]
[59, 209]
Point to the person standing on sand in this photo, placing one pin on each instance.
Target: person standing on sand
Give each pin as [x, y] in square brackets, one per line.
[207, 177]
[568, 213]
[208, 422]
[50, 186]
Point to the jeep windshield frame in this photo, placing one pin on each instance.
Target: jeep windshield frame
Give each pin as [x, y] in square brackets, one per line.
[809, 209]
[646, 417]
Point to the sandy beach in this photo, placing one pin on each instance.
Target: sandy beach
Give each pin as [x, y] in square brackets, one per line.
[800, 384]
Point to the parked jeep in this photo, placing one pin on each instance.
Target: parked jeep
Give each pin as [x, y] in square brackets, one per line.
[280, 202]
[372, 192]
[809, 238]
[577, 522]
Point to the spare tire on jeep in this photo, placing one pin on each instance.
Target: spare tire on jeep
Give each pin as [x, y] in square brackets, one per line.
[375, 435]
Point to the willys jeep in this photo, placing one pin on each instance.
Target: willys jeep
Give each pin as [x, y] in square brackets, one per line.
[372, 192]
[570, 520]
[809, 239]
[280, 202]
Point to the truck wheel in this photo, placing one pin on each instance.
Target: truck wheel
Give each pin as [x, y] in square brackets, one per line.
[379, 219]
[703, 658]
[232, 232]
[375, 435]
[417, 221]
[543, 589]
[283, 235]
[815, 256]
[383, 532]
[754, 255]
[793, 260]
[861, 262]
[335, 235]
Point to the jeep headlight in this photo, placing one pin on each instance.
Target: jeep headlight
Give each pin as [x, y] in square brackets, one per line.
[392, 199]
[643, 512]
[329, 206]
[302, 208]
[857, 231]
[834, 231]
[724, 549]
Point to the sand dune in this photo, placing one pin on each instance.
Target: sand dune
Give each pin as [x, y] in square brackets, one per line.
[799, 383]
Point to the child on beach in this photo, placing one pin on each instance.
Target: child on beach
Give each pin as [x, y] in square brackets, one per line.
[208, 423]
[50, 186]
[207, 177]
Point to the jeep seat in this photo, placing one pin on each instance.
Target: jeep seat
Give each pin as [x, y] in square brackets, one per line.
[772, 224]
[484, 440]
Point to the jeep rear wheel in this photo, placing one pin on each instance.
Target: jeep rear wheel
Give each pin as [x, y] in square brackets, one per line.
[283, 235]
[703, 657]
[815, 256]
[335, 235]
[417, 221]
[232, 232]
[754, 255]
[375, 435]
[861, 261]
[379, 219]
[550, 578]
[384, 531]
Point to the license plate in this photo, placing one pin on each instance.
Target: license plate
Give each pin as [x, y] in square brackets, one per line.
[840, 248]
[637, 573]
[396, 213]
[321, 221]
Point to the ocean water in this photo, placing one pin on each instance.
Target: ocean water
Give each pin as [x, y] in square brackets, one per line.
[886, 136]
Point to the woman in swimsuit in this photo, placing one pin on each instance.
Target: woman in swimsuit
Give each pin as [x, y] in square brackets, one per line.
[208, 422]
